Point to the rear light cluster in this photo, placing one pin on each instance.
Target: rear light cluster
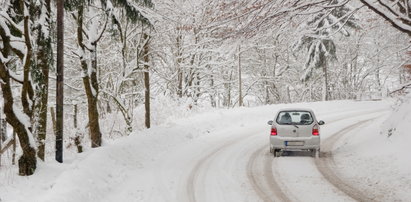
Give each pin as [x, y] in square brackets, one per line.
[273, 131]
[316, 131]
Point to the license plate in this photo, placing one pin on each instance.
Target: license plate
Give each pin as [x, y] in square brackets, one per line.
[294, 143]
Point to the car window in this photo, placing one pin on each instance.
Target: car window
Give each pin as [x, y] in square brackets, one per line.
[295, 118]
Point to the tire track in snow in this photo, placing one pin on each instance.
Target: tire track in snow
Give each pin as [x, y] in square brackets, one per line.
[201, 164]
[261, 176]
[259, 171]
[262, 179]
[327, 166]
[268, 188]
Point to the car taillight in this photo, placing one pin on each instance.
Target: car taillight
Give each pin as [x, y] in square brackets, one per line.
[273, 131]
[316, 130]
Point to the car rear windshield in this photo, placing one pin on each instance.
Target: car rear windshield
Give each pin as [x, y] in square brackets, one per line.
[294, 118]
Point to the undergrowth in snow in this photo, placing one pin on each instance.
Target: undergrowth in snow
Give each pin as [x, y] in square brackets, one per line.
[398, 124]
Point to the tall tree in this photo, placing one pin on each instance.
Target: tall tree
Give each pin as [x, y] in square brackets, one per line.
[17, 13]
[146, 70]
[40, 72]
[88, 37]
[320, 47]
[59, 81]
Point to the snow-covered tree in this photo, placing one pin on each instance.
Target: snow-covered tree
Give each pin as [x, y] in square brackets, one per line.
[88, 37]
[318, 40]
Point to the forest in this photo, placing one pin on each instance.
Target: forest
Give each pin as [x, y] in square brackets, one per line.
[130, 63]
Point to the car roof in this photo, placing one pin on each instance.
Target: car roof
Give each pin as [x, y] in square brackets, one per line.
[295, 109]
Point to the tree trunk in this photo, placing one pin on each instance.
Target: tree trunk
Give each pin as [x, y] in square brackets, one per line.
[240, 94]
[78, 136]
[27, 162]
[146, 81]
[13, 158]
[179, 70]
[325, 93]
[59, 81]
[91, 93]
[227, 84]
[92, 97]
[213, 94]
[90, 83]
[40, 77]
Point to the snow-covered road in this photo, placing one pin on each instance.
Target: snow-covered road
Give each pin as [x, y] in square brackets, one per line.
[240, 168]
[220, 156]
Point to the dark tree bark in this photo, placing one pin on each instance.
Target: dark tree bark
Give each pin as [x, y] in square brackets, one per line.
[60, 77]
[146, 81]
[179, 70]
[90, 84]
[79, 136]
[326, 96]
[240, 84]
[40, 77]
[27, 162]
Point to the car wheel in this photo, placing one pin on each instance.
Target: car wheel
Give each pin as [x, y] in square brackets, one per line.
[276, 152]
[312, 151]
[315, 153]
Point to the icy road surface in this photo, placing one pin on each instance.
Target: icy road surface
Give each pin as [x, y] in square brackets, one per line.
[224, 156]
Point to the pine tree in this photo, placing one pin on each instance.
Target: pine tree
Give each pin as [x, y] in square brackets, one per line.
[318, 42]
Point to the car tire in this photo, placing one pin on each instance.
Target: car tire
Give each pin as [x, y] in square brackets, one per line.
[276, 152]
[315, 153]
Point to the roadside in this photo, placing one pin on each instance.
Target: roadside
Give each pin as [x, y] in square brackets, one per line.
[375, 163]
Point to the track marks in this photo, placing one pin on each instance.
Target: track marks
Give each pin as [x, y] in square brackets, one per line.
[328, 168]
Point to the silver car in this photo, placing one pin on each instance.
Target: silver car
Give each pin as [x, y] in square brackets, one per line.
[295, 129]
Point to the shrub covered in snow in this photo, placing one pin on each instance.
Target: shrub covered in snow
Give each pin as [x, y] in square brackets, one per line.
[399, 121]
[164, 109]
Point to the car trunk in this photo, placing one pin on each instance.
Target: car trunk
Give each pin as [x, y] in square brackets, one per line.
[294, 130]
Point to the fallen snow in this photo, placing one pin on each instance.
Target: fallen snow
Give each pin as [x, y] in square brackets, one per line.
[157, 164]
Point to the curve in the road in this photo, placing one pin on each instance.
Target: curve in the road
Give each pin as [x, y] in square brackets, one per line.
[260, 170]
[326, 165]
[271, 190]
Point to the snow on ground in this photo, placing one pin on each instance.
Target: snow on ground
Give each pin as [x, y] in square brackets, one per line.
[204, 157]
[382, 151]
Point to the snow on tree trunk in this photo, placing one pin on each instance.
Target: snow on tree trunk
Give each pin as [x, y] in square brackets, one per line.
[20, 123]
[17, 118]
[89, 76]
[40, 74]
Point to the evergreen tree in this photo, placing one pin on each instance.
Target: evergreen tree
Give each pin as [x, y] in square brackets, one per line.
[318, 41]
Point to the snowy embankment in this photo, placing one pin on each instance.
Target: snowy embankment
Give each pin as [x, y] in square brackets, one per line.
[171, 161]
[378, 158]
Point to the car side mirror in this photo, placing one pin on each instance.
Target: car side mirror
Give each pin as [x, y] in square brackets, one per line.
[270, 122]
[321, 123]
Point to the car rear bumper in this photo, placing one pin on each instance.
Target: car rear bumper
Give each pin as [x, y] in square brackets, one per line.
[295, 143]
